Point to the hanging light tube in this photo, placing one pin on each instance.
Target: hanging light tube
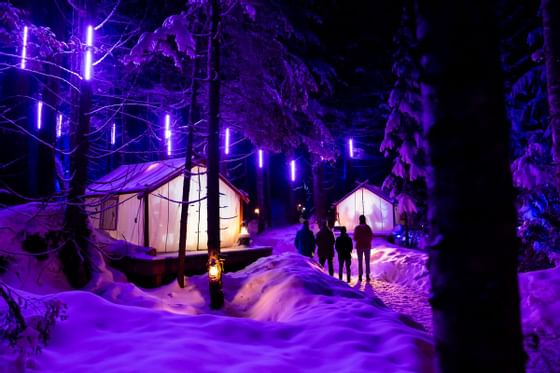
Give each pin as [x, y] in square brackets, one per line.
[227, 141]
[59, 125]
[89, 44]
[39, 114]
[351, 147]
[293, 170]
[24, 48]
[260, 158]
[168, 133]
[113, 133]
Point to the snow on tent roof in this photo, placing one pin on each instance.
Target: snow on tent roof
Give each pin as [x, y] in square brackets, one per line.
[371, 188]
[143, 177]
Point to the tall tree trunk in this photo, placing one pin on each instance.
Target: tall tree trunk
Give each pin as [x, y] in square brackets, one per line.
[73, 254]
[193, 107]
[318, 193]
[551, 27]
[472, 263]
[261, 199]
[213, 174]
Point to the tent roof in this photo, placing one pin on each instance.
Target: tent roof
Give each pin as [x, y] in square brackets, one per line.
[144, 177]
[372, 188]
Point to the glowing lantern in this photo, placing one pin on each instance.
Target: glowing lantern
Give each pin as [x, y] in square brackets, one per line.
[89, 44]
[227, 141]
[39, 114]
[24, 48]
[260, 158]
[215, 269]
[293, 170]
[59, 125]
[351, 148]
[257, 211]
[244, 236]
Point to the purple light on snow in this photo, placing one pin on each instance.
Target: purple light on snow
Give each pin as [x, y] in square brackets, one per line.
[59, 125]
[39, 114]
[89, 44]
[351, 147]
[168, 133]
[293, 170]
[260, 158]
[227, 141]
[24, 48]
[113, 133]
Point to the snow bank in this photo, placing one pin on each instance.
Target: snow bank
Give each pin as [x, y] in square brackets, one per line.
[281, 314]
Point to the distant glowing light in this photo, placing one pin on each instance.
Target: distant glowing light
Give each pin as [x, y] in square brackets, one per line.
[351, 147]
[24, 48]
[167, 134]
[293, 170]
[59, 125]
[39, 114]
[89, 44]
[260, 158]
[113, 133]
[227, 141]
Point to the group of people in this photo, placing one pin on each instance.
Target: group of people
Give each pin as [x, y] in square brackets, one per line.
[325, 242]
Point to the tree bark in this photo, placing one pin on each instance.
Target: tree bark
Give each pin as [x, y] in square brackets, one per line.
[551, 30]
[261, 199]
[213, 170]
[188, 167]
[472, 263]
[318, 193]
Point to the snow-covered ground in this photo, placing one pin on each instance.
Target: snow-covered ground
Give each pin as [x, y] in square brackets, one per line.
[282, 313]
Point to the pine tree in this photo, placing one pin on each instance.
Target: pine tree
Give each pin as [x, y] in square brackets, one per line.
[404, 141]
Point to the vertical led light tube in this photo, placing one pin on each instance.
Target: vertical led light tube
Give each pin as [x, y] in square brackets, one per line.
[293, 170]
[39, 114]
[89, 44]
[113, 133]
[351, 147]
[59, 125]
[260, 158]
[168, 133]
[227, 141]
[24, 48]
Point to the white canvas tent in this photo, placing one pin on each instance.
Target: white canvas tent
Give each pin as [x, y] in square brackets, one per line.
[370, 201]
[120, 201]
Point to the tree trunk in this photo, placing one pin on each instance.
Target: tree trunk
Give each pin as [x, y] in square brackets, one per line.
[188, 167]
[73, 254]
[318, 193]
[260, 199]
[472, 263]
[551, 29]
[213, 173]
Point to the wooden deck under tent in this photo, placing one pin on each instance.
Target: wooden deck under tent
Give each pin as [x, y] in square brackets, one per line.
[152, 271]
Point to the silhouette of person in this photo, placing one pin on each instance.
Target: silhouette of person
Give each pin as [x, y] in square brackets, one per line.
[305, 240]
[362, 237]
[343, 247]
[325, 246]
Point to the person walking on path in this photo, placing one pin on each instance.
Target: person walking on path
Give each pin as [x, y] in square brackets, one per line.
[363, 237]
[325, 246]
[343, 247]
[305, 240]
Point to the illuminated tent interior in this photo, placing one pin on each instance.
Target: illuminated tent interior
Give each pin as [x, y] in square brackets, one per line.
[370, 201]
[120, 201]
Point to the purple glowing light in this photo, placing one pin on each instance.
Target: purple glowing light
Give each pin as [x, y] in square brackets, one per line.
[59, 125]
[167, 134]
[113, 133]
[260, 158]
[39, 114]
[227, 141]
[24, 48]
[351, 147]
[293, 170]
[89, 44]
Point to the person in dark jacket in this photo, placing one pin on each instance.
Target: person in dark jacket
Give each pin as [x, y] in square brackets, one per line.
[363, 236]
[305, 240]
[343, 247]
[325, 246]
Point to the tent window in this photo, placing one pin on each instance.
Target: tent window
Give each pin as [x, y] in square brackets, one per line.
[109, 213]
